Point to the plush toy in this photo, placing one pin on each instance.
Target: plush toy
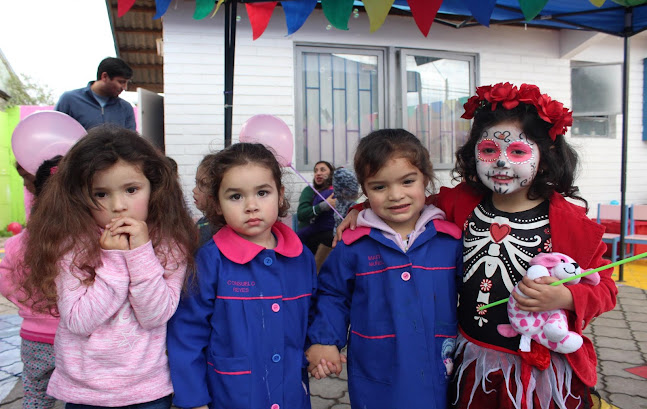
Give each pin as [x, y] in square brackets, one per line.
[548, 328]
[346, 190]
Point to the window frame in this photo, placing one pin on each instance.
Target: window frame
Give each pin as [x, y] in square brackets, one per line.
[299, 50]
[402, 54]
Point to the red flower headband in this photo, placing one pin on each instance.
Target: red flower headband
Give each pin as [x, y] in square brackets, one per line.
[509, 96]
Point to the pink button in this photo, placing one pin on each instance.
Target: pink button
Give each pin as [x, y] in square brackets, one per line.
[276, 307]
[275, 406]
[405, 276]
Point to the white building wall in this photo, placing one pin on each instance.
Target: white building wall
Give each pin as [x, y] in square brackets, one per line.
[265, 80]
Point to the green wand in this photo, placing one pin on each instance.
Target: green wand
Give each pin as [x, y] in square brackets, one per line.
[595, 270]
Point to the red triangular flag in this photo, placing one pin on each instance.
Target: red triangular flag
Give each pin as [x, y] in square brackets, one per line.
[424, 12]
[259, 16]
[123, 6]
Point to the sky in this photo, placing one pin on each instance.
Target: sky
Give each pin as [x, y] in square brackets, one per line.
[56, 43]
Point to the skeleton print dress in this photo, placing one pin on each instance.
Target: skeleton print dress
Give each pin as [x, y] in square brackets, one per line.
[497, 248]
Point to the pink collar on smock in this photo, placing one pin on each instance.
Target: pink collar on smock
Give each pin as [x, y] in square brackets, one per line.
[242, 251]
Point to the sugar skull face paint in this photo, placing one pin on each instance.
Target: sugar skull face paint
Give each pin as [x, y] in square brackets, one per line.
[506, 160]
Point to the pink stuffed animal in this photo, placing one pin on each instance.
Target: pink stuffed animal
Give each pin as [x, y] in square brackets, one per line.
[548, 328]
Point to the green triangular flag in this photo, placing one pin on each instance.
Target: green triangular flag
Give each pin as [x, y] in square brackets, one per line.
[531, 8]
[337, 12]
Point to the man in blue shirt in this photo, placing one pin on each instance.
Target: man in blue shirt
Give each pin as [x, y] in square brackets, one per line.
[99, 101]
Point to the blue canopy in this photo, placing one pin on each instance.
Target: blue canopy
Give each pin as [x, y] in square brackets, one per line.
[572, 14]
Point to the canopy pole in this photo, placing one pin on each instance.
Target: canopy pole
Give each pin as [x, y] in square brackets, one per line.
[625, 124]
[230, 52]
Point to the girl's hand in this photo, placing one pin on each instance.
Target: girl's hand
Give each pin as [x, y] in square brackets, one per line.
[137, 231]
[349, 221]
[324, 360]
[542, 296]
[110, 241]
[202, 407]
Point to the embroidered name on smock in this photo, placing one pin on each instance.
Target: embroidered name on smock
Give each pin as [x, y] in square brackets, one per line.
[241, 286]
[375, 260]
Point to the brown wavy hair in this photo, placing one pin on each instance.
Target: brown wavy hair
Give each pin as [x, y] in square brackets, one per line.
[61, 221]
[239, 154]
[377, 148]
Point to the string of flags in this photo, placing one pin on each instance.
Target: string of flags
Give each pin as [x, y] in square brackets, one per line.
[338, 12]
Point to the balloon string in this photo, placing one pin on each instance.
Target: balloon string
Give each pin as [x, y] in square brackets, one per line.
[316, 191]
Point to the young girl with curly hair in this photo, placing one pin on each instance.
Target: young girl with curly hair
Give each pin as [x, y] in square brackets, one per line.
[109, 245]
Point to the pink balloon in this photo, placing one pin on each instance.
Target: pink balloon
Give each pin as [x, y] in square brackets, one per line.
[43, 135]
[271, 132]
[14, 227]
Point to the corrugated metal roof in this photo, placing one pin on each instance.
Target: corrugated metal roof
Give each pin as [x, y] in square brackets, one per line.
[136, 35]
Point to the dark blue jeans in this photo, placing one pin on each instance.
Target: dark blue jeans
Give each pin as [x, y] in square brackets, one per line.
[161, 403]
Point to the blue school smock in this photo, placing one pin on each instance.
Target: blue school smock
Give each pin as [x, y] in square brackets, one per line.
[237, 339]
[402, 313]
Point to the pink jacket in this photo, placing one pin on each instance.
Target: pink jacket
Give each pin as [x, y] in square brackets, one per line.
[36, 327]
[111, 343]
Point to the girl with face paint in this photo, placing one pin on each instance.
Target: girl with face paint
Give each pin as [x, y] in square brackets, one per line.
[515, 172]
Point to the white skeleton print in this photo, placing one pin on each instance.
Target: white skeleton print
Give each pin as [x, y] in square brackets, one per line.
[491, 246]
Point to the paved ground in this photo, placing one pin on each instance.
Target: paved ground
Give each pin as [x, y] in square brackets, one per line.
[620, 337]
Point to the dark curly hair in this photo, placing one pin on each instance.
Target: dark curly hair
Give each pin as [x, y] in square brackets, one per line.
[558, 161]
[239, 154]
[45, 170]
[378, 147]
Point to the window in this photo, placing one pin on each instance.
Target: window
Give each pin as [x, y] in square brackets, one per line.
[341, 94]
[597, 99]
[437, 86]
[340, 99]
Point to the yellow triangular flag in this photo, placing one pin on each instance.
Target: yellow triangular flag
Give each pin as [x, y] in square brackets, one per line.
[217, 7]
[377, 11]
[597, 3]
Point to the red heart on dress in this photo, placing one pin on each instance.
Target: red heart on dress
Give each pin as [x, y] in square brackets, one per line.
[499, 231]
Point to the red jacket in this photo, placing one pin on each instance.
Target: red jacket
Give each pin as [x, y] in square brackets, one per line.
[572, 233]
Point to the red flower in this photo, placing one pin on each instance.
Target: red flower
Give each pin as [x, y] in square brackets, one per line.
[548, 109]
[483, 91]
[510, 97]
[529, 94]
[554, 113]
[505, 93]
[470, 107]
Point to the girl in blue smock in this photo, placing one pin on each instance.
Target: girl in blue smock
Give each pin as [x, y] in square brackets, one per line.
[238, 337]
[394, 280]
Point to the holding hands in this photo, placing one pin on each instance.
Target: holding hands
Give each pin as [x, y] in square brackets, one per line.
[124, 233]
[324, 360]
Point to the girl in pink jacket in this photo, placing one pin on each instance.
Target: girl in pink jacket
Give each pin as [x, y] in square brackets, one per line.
[37, 329]
[110, 241]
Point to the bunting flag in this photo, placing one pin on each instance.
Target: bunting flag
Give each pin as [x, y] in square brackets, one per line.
[597, 3]
[424, 13]
[123, 6]
[296, 13]
[259, 16]
[203, 8]
[217, 7]
[531, 8]
[160, 8]
[481, 10]
[629, 3]
[337, 12]
[377, 11]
